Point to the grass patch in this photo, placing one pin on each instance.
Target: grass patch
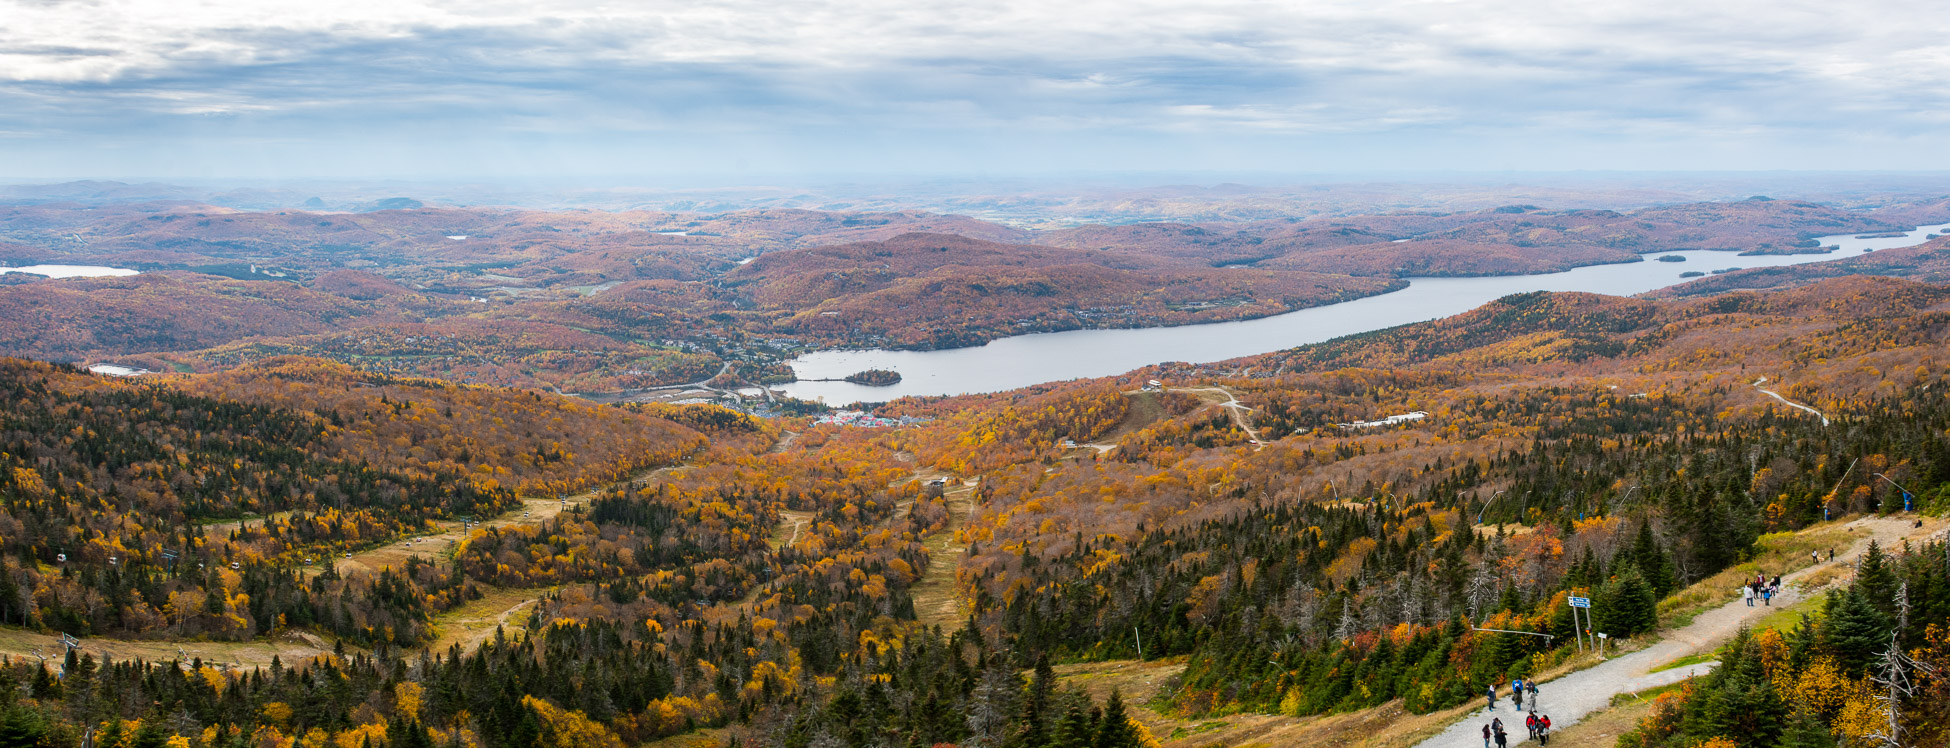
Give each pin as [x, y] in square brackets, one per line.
[706, 738]
[476, 620]
[1648, 694]
[1202, 727]
[1789, 616]
[1688, 660]
[1775, 554]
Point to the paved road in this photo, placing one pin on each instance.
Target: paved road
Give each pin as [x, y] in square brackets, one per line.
[1571, 698]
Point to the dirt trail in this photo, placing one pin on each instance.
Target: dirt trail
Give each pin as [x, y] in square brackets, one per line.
[474, 623]
[1232, 405]
[1572, 697]
[795, 518]
[1790, 403]
[290, 647]
[784, 443]
[441, 545]
[937, 600]
[1140, 682]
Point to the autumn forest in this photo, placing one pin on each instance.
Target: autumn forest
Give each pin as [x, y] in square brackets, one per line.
[361, 504]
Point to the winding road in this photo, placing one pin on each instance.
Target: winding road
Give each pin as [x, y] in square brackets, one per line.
[1790, 403]
[1232, 405]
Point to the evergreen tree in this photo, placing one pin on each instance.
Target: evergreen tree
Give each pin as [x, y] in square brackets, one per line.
[527, 732]
[1116, 730]
[1652, 560]
[1029, 731]
[1875, 577]
[407, 733]
[113, 734]
[151, 734]
[1807, 730]
[1854, 630]
[22, 727]
[1626, 606]
[1074, 730]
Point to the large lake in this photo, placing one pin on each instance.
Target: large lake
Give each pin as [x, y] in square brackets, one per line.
[72, 271]
[1023, 360]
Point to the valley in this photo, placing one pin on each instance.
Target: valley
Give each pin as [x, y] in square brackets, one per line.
[350, 509]
[636, 302]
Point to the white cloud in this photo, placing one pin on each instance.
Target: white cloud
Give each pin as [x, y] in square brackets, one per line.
[1655, 68]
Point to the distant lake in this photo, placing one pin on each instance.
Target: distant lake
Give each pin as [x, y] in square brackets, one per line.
[73, 271]
[1023, 360]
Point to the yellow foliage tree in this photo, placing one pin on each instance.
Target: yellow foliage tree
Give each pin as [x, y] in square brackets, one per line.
[565, 728]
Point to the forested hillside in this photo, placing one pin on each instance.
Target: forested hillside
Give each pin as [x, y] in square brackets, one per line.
[587, 302]
[1881, 641]
[1299, 555]
[151, 510]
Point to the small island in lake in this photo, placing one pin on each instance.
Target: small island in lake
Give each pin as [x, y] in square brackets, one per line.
[1692, 274]
[1672, 258]
[875, 377]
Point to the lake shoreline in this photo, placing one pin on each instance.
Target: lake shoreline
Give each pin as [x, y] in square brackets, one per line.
[1025, 360]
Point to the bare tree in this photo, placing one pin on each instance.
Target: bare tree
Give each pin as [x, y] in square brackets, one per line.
[991, 704]
[1482, 589]
[1411, 600]
[1892, 678]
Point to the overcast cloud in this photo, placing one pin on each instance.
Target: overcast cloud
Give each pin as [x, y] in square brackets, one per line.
[425, 89]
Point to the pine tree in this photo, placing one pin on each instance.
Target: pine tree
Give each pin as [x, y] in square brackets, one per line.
[1116, 730]
[151, 734]
[20, 726]
[1807, 730]
[1074, 730]
[1875, 577]
[113, 734]
[1626, 606]
[1652, 560]
[408, 733]
[1854, 630]
[527, 732]
[1028, 732]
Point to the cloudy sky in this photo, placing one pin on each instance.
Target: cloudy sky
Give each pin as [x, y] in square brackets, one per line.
[490, 88]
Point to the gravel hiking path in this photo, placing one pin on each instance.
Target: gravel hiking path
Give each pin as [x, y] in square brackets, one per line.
[1570, 698]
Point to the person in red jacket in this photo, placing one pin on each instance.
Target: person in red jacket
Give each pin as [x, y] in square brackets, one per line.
[1530, 723]
[1544, 730]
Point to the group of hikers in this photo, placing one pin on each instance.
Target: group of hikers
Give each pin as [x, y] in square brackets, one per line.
[1539, 726]
[1761, 588]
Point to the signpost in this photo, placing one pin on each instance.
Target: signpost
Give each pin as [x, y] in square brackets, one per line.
[1576, 604]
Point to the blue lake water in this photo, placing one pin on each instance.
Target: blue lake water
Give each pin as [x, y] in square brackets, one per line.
[1023, 360]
